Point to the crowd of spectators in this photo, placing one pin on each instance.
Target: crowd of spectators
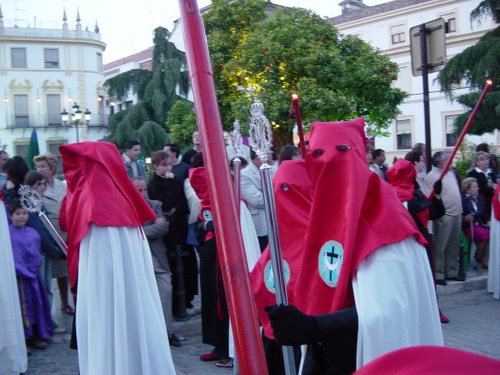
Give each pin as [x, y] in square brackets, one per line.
[447, 210]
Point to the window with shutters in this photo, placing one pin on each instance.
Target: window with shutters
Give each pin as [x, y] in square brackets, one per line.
[21, 111]
[18, 58]
[53, 109]
[403, 131]
[51, 58]
[451, 137]
[398, 34]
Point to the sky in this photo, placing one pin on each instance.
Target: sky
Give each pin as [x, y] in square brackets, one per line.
[125, 26]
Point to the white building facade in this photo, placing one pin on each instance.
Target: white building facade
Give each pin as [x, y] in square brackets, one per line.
[140, 60]
[386, 27]
[43, 72]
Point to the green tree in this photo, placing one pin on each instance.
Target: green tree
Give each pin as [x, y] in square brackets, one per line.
[182, 123]
[227, 25]
[472, 67]
[157, 92]
[296, 51]
[486, 8]
[152, 137]
[135, 80]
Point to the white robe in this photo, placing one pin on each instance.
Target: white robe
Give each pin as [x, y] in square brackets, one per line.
[252, 252]
[13, 359]
[396, 301]
[119, 320]
[494, 260]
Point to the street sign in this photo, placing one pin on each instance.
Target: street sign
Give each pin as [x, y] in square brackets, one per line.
[436, 47]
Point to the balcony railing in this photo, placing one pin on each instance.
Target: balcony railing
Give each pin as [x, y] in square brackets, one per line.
[45, 121]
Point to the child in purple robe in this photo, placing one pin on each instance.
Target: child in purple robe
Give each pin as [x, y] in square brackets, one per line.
[26, 248]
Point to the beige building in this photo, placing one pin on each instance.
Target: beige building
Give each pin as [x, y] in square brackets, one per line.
[45, 71]
[386, 26]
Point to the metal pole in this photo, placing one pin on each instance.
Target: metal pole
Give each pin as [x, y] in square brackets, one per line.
[298, 119]
[241, 304]
[236, 176]
[425, 86]
[180, 292]
[77, 133]
[32, 201]
[53, 232]
[261, 140]
[235, 137]
[276, 256]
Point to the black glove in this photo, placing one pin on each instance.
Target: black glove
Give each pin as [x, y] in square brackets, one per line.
[291, 326]
[438, 187]
[209, 226]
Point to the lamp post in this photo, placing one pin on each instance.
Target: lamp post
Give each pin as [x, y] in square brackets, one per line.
[76, 118]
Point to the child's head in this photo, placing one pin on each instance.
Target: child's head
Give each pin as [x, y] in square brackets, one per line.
[35, 181]
[470, 186]
[18, 214]
[161, 162]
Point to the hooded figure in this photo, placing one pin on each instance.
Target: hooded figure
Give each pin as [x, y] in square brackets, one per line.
[494, 261]
[292, 189]
[119, 320]
[363, 272]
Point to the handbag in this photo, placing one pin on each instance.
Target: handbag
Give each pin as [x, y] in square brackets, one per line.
[436, 209]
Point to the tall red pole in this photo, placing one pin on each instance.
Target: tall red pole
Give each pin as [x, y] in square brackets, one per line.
[248, 343]
[298, 119]
[465, 130]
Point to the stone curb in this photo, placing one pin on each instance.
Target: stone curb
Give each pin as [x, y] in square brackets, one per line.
[471, 283]
[191, 327]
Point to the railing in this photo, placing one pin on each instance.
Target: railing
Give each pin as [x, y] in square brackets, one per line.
[44, 121]
[51, 126]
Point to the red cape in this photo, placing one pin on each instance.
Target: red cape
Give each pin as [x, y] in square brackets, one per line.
[292, 189]
[431, 360]
[199, 182]
[353, 213]
[402, 177]
[98, 192]
[496, 204]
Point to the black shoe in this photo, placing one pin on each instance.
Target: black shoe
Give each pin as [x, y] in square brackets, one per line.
[441, 282]
[37, 344]
[174, 341]
[456, 278]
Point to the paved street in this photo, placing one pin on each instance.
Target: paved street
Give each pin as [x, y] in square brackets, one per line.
[474, 326]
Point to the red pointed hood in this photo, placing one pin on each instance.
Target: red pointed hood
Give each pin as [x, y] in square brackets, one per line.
[292, 189]
[353, 213]
[98, 192]
[402, 176]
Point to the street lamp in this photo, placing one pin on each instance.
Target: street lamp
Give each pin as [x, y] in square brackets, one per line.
[76, 118]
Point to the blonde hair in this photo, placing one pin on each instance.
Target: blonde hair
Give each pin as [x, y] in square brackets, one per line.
[467, 183]
[51, 160]
[481, 153]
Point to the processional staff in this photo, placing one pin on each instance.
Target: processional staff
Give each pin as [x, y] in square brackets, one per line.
[261, 140]
[243, 313]
[235, 137]
[298, 120]
[32, 201]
